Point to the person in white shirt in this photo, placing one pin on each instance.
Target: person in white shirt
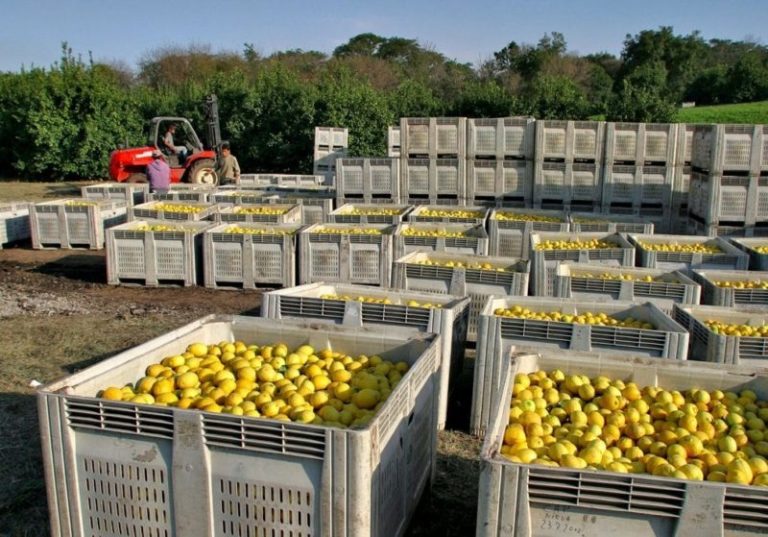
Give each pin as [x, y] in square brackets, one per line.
[179, 150]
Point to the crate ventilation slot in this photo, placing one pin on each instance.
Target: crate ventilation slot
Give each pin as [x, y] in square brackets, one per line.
[311, 307]
[745, 508]
[119, 417]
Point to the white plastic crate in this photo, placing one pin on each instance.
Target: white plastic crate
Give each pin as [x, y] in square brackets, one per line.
[281, 179]
[684, 144]
[696, 227]
[433, 137]
[331, 144]
[235, 196]
[130, 193]
[369, 180]
[60, 224]
[708, 346]
[730, 148]
[351, 257]
[291, 213]
[250, 260]
[728, 199]
[523, 499]
[734, 295]
[500, 182]
[757, 261]
[501, 138]
[730, 257]
[451, 215]
[201, 473]
[316, 204]
[569, 140]
[638, 189]
[157, 210]
[192, 196]
[154, 258]
[639, 143]
[393, 142]
[610, 223]
[511, 238]
[344, 214]
[567, 185]
[544, 262]
[447, 316]
[446, 273]
[432, 181]
[588, 282]
[680, 188]
[14, 222]
[473, 241]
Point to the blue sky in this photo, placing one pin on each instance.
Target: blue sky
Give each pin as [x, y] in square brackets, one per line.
[466, 30]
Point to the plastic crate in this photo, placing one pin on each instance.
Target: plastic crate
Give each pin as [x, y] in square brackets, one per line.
[680, 188]
[730, 258]
[757, 261]
[474, 241]
[569, 140]
[584, 282]
[710, 347]
[165, 471]
[393, 142]
[451, 214]
[433, 137]
[432, 180]
[238, 197]
[291, 214]
[331, 144]
[371, 180]
[281, 179]
[511, 238]
[730, 148]
[154, 210]
[250, 260]
[343, 215]
[155, 258]
[696, 227]
[316, 205]
[14, 222]
[544, 262]
[565, 185]
[345, 258]
[500, 138]
[412, 273]
[610, 223]
[524, 499]
[130, 193]
[448, 316]
[191, 196]
[640, 143]
[715, 295]
[684, 144]
[58, 224]
[500, 182]
[728, 199]
[638, 190]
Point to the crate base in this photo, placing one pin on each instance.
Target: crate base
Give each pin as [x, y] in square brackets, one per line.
[143, 282]
[67, 246]
[239, 286]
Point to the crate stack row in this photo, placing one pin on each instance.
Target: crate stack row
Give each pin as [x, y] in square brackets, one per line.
[331, 144]
[729, 180]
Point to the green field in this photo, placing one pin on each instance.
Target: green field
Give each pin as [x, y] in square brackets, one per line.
[725, 113]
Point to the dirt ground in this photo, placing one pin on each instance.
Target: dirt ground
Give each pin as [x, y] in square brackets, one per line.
[57, 315]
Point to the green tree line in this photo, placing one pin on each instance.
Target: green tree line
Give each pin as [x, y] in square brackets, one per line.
[63, 121]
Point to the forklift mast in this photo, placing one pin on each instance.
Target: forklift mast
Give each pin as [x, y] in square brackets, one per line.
[212, 123]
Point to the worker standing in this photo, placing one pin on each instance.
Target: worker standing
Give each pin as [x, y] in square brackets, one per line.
[158, 173]
[227, 168]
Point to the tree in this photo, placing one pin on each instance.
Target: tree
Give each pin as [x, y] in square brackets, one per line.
[555, 97]
[413, 99]
[709, 87]
[367, 44]
[484, 99]
[643, 96]
[747, 80]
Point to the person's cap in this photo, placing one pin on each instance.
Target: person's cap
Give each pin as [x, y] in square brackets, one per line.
[156, 153]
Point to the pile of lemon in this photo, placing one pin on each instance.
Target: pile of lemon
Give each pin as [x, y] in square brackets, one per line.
[621, 276]
[694, 248]
[459, 264]
[304, 385]
[83, 203]
[587, 317]
[346, 231]
[761, 249]
[238, 230]
[573, 421]
[372, 211]
[518, 217]
[741, 330]
[376, 300]
[144, 226]
[270, 210]
[450, 213]
[178, 208]
[575, 244]
[745, 284]
[410, 231]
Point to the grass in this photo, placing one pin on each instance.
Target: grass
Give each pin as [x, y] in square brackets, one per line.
[750, 113]
[15, 190]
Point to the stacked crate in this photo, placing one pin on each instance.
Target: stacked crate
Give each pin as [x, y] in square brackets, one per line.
[638, 170]
[499, 169]
[393, 142]
[678, 222]
[266, 180]
[729, 180]
[74, 222]
[568, 165]
[14, 222]
[433, 160]
[316, 202]
[130, 193]
[367, 180]
[331, 143]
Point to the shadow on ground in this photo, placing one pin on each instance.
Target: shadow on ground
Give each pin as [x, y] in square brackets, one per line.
[81, 267]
